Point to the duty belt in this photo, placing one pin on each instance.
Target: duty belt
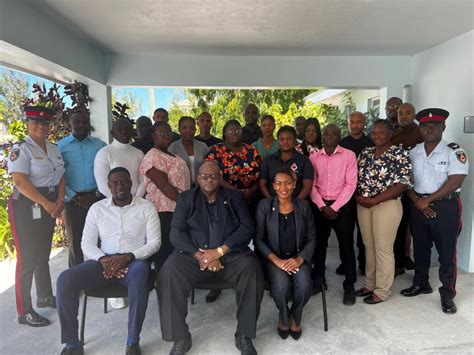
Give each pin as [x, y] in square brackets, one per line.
[446, 197]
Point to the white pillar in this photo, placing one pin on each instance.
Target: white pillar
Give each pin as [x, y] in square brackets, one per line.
[101, 110]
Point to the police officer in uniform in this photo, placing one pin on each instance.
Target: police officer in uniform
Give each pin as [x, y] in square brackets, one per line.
[439, 169]
[37, 170]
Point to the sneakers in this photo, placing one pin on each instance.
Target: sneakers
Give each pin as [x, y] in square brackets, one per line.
[181, 346]
[43, 302]
[245, 345]
[118, 303]
[33, 319]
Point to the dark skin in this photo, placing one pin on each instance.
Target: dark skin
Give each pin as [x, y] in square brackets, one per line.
[81, 127]
[287, 142]
[311, 135]
[162, 138]
[204, 123]
[122, 131]
[251, 115]
[356, 124]
[187, 130]
[209, 178]
[120, 186]
[406, 115]
[381, 137]
[267, 126]
[391, 109]
[299, 126]
[284, 185]
[160, 116]
[433, 133]
[233, 141]
[331, 136]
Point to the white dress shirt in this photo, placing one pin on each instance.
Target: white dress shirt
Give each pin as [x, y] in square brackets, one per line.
[134, 228]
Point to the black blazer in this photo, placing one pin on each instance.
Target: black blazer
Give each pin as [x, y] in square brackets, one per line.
[190, 228]
[267, 239]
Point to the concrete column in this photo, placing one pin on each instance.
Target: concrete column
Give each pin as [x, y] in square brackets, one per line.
[101, 110]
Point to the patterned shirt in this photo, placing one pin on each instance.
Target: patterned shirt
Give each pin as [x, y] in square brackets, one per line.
[178, 177]
[240, 169]
[377, 174]
[311, 149]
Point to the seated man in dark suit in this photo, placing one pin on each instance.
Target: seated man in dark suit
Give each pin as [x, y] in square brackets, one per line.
[210, 232]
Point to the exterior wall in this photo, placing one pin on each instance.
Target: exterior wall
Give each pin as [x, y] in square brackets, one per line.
[443, 77]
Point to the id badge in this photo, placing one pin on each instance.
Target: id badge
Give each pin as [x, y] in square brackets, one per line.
[36, 211]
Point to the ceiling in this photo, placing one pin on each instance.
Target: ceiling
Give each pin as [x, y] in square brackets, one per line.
[263, 27]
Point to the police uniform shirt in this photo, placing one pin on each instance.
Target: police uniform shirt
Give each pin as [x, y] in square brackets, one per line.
[44, 169]
[431, 172]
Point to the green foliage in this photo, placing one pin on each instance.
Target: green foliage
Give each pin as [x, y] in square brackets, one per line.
[128, 98]
[18, 129]
[13, 90]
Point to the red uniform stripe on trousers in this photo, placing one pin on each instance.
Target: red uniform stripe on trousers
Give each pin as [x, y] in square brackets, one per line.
[19, 260]
[455, 271]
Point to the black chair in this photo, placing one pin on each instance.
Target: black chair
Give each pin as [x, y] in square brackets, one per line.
[221, 286]
[113, 291]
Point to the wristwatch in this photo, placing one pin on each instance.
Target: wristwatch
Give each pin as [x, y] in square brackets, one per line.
[220, 251]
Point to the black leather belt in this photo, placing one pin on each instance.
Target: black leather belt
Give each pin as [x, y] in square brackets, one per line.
[447, 197]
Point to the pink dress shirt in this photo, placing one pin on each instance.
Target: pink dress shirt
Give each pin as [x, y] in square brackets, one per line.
[335, 177]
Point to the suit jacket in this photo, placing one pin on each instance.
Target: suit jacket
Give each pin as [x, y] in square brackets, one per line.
[267, 239]
[200, 150]
[190, 228]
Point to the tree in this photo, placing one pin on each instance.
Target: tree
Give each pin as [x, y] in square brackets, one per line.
[129, 98]
[13, 90]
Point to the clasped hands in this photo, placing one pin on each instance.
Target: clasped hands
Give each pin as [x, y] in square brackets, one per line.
[423, 204]
[208, 259]
[366, 202]
[115, 265]
[54, 208]
[290, 266]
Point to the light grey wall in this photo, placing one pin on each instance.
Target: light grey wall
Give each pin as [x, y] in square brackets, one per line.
[443, 77]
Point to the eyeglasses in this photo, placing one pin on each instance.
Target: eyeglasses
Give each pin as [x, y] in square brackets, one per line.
[213, 176]
[234, 130]
[286, 183]
[393, 107]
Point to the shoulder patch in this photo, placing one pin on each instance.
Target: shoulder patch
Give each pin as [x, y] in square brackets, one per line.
[14, 154]
[461, 157]
[453, 145]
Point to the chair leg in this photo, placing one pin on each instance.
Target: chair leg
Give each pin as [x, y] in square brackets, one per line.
[325, 311]
[105, 305]
[192, 296]
[83, 320]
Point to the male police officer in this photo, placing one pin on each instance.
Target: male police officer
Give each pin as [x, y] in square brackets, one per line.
[439, 169]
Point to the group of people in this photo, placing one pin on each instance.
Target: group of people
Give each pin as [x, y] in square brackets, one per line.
[192, 204]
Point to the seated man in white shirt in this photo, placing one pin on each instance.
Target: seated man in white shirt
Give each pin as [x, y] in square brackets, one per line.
[128, 228]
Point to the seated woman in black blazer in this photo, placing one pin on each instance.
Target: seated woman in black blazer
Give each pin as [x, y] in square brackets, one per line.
[286, 240]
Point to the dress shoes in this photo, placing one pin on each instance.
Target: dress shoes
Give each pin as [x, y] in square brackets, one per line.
[245, 345]
[448, 306]
[181, 346]
[363, 292]
[317, 288]
[283, 333]
[349, 297]
[212, 296]
[340, 270]
[372, 299]
[399, 271]
[43, 302]
[77, 350]
[33, 319]
[416, 290]
[133, 349]
[296, 334]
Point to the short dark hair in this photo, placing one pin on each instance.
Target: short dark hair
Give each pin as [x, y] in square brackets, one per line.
[184, 119]
[267, 117]
[159, 124]
[285, 170]
[118, 169]
[229, 123]
[287, 128]
[160, 109]
[383, 122]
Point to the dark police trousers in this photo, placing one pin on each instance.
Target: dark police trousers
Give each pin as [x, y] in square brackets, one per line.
[443, 231]
[87, 276]
[284, 287]
[74, 218]
[343, 225]
[180, 274]
[399, 246]
[32, 238]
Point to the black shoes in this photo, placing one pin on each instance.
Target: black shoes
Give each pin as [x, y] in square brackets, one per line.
[44, 302]
[245, 345]
[416, 290]
[363, 292]
[181, 346]
[73, 351]
[212, 295]
[317, 288]
[448, 306]
[133, 349]
[372, 299]
[349, 297]
[33, 319]
[340, 270]
[283, 333]
[296, 334]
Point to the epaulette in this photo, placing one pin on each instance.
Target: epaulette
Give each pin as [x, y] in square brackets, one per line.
[18, 143]
[453, 146]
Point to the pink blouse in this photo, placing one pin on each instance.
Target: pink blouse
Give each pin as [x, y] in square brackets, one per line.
[178, 176]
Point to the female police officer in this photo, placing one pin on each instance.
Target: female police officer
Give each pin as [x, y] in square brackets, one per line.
[37, 169]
